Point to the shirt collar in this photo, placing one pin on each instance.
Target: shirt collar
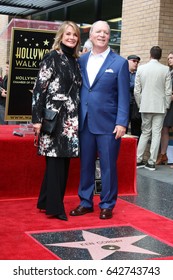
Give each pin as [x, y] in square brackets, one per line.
[103, 54]
[153, 60]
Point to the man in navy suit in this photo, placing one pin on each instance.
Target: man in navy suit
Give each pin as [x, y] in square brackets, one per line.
[104, 113]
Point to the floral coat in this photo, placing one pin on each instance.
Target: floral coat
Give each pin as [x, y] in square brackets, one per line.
[54, 79]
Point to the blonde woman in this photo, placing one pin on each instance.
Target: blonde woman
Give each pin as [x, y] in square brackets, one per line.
[58, 71]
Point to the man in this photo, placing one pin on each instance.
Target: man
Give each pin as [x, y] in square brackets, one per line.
[104, 110]
[153, 90]
[134, 115]
[3, 95]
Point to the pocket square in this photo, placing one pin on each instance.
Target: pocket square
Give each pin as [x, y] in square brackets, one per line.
[109, 70]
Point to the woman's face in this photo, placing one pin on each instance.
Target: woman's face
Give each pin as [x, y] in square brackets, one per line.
[70, 38]
[170, 60]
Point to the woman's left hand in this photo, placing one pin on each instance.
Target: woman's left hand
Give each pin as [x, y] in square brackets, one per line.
[37, 128]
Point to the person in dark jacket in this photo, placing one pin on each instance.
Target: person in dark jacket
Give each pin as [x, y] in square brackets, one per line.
[58, 71]
[134, 115]
[168, 122]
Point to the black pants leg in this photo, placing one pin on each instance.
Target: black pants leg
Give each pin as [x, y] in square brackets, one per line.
[135, 120]
[54, 185]
[136, 127]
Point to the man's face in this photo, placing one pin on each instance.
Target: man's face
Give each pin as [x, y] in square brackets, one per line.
[7, 69]
[133, 64]
[100, 36]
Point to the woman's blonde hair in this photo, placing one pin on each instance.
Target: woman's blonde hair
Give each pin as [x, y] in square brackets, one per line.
[59, 35]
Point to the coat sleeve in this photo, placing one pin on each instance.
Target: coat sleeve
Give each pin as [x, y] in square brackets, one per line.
[123, 95]
[168, 90]
[137, 89]
[40, 87]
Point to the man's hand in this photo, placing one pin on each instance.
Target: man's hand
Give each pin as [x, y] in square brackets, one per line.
[119, 131]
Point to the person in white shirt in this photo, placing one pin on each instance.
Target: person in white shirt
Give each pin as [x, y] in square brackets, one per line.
[87, 46]
[153, 91]
[103, 120]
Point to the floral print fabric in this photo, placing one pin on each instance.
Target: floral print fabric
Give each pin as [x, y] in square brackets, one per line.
[53, 82]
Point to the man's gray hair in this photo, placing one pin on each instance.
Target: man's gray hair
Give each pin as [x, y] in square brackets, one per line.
[92, 26]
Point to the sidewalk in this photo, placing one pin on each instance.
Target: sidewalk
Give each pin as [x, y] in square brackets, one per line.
[154, 190]
[163, 173]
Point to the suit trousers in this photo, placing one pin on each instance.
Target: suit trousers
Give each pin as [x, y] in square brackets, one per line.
[53, 186]
[152, 124]
[107, 148]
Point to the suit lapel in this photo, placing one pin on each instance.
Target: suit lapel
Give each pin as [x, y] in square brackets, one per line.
[85, 69]
[106, 64]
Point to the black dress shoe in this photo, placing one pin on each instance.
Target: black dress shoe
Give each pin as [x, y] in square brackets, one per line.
[61, 217]
[80, 210]
[106, 213]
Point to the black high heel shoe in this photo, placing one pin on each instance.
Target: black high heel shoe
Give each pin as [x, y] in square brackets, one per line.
[62, 217]
[42, 210]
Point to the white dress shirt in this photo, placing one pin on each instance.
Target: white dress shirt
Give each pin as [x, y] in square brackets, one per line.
[94, 64]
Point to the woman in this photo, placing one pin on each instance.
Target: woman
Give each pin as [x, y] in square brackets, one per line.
[58, 71]
[168, 122]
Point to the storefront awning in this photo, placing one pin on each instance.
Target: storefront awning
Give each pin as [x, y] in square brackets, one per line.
[25, 8]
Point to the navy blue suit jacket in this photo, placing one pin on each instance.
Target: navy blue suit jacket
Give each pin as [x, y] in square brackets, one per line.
[107, 101]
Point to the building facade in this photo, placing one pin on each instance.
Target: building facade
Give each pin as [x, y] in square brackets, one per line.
[146, 23]
[135, 25]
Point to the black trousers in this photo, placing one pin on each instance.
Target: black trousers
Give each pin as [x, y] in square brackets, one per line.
[135, 123]
[54, 185]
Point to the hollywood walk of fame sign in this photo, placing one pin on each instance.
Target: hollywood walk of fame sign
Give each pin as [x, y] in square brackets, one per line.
[28, 47]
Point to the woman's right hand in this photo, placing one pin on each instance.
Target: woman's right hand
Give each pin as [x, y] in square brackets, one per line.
[37, 128]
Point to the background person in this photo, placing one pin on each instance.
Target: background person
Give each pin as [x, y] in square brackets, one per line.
[57, 72]
[168, 121]
[87, 46]
[134, 115]
[153, 91]
[104, 111]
